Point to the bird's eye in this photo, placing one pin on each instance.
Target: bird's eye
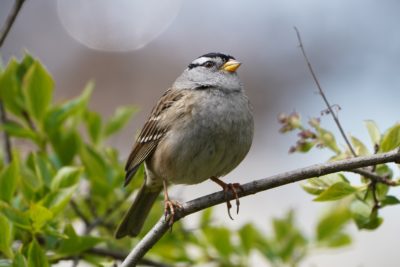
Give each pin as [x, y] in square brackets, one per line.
[209, 64]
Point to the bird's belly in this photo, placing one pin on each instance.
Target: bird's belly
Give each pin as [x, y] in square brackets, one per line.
[213, 146]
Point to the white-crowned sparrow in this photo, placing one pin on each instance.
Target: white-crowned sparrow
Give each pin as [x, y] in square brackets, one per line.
[201, 128]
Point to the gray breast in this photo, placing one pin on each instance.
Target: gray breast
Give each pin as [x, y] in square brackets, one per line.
[211, 142]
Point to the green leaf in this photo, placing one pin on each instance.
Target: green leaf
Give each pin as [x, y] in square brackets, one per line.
[36, 255]
[336, 191]
[66, 177]
[248, 237]
[289, 243]
[339, 240]
[360, 148]
[38, 89]
[66, 143]
[391, 139]
[17, 130]
[43, 168]
[93, 125]
[6, 237]
[39, 216]
[18, 218]
[316, 186]
[373, 132]
[10, 91]
[364, 216]
[57, 200]
[19, 261]
[328, 139]
[75, 244]
[206, 217]
[332, 223]
[390, 200]
[75, 107]
[220, 239]
[97, 170]
[9, 179]
[120, 118]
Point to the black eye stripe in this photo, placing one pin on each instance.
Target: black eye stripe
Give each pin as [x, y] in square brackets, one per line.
[207, 64]
[191, 66]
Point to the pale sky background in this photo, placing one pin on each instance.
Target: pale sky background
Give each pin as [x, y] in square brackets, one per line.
[354, 47]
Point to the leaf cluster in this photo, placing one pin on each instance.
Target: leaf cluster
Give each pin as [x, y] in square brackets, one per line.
[363, 196]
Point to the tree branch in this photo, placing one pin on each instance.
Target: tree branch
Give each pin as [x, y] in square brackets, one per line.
[3, 116]
[321, 92]
[254, 187]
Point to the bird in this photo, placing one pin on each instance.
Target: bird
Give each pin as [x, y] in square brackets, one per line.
[201, 128]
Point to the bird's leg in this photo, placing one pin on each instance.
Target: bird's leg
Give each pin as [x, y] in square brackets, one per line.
[169, 205]
[233, 187]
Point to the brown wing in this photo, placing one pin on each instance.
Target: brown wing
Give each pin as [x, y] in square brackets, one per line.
[151, 134]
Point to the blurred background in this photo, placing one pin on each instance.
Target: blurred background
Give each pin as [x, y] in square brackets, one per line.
[134, 50]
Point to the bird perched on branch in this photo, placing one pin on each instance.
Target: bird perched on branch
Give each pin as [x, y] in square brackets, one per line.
[201, 128]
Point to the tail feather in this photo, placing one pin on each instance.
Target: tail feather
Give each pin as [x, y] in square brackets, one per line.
[134, 219]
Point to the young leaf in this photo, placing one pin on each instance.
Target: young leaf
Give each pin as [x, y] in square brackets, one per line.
[9, 179]
[39, 216]
[93, 125]
[17, 130]
[391, 139]
[10, 91]
[364, 216]
[121, 117]
[19, 261]
[38, 89]
[328, 139]
[57, 115]
[5, 237]
[75, 244]
[57, 200]
[332, 223]
[361, 149]
[66, 144]
[339, 240]
[97, 169]
[66, 177]
[336, 191]
[248, 237]
[316, 186]
[220, 239]
[36, 255]
[390, 200]
[373, 132]
[18, 218]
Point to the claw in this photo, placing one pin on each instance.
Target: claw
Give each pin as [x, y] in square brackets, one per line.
[232, 188]
[169, 207]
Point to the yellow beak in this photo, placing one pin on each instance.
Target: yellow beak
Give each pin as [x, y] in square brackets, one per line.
[231, 66]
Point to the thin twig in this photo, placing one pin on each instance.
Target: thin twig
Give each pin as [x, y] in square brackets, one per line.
[375, 177]
[3, 116]
[6, 137]
[162, 226]
[80, 214]
[335, 118]
[10, 20]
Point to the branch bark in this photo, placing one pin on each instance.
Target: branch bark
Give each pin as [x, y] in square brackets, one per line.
[254, 187]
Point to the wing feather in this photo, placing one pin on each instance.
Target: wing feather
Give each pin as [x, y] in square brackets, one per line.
[151, 133]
